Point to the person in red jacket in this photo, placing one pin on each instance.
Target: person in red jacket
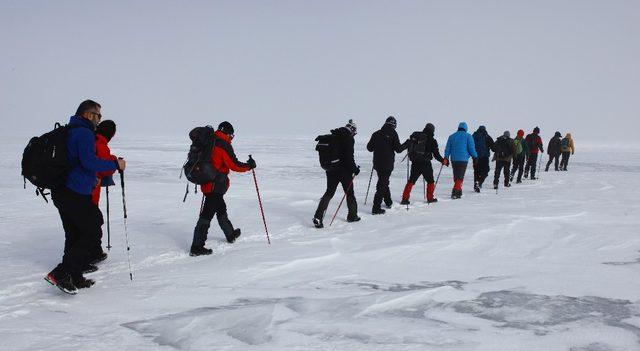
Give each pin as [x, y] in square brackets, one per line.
[534, 144]
[104, 133]
[223, 160]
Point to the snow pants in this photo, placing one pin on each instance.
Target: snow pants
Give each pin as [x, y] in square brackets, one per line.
[81, 220]
[518, 165]
[553, 158]
[214, 205]
[481, 170]
[502, 166]
[382, 189]
[333, 179]
[532, 163]
[565, 160]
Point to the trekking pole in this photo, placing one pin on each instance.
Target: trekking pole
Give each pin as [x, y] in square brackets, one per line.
[264, 221]
[408, 161]
[108, 223]
[424, 188]
[343, 197]
[368, 186]
[126, 233]
[437, 179]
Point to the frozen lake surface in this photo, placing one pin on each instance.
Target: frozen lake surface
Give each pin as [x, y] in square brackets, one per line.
[546, 265]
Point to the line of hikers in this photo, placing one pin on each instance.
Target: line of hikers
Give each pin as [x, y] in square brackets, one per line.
[74, 161]
[336, 153]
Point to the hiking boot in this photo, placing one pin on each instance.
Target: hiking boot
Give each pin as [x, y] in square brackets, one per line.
[89, 268]
[388, 205]
[65, 284]
[99, 258]
[318, 223]
[456, 194]
[430, 201]
[200, 251]
[231, 238]
[518, 181]
[507, 185]
[405, 202]
[476, 187]
[526, 175]
[351, 219]
[495, 186]
[377, 211]
[83, 283]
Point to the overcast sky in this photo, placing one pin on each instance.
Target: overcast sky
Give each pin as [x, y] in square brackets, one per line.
[303, 67]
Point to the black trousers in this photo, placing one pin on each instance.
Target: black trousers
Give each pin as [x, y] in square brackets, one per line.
[423, 169]
[504, 167]
[553, 158]
[382, 189]
[81, 220]
[333, 179]
[213, 205]
[565, 160]
[459, 169]
[532, 163]
[481, 170]
[518, 165]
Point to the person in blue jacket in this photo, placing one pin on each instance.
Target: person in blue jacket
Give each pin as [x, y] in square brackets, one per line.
[460, 146]
[81, 218]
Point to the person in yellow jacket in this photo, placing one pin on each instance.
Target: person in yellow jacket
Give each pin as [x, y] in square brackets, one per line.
[567, 150]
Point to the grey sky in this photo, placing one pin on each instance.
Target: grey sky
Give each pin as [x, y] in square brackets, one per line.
[302, 67]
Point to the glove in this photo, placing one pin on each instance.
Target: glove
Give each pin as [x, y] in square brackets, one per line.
[445, 162]
[357, 170]
[252, 163]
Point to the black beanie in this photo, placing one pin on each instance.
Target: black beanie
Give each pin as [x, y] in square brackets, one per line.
[391, 121]
[107, 129]
[226, 128]
[429, 129]
[536, 130]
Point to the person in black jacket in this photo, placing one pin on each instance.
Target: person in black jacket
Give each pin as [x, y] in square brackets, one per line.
[554, 150]
[384, 144]
[341, 172]
[422, 148]
[484, 144]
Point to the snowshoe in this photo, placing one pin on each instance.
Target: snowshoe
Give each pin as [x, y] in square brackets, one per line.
[99, 258]
[200, 251]
[89, 268]
[377, 211]
[64, 284]
[83, 283]
[318, 223]
[351, 219]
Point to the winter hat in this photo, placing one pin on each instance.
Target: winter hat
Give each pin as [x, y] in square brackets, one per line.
[353, 128]
[482, 129]
[106, 128]
[521, 133]
[536, 130]
[507, 134]
[429, 129]
[558, 135]
[391, 121]
[226, 128]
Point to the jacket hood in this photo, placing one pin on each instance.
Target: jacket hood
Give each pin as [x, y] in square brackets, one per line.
[222, 135]
[569, 135]
[342, 131]
[558, 135]
[463, 126]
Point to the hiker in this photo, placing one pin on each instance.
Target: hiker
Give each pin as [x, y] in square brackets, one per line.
[521, 155]
[341, 170]
[81, 218]
[554, 149]
[504, 152]
[104, 133]
[484, 145]
[384, 144]
[223, 160]
[460, 146]
[568, 149]
[422, 148]
[534, 145]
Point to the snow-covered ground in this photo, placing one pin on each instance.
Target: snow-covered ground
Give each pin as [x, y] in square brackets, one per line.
[546, 265]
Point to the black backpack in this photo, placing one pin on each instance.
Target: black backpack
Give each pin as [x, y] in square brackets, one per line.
[44, 160]
[503, 148]
[328, 148]
[198, 168]
[417, 146]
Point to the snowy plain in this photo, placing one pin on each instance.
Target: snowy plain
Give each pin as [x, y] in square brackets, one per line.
[546, 265]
